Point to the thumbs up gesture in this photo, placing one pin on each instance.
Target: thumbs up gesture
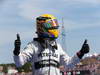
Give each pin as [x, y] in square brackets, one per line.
[17, 45]
[85, 48]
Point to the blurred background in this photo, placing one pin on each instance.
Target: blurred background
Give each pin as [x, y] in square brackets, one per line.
[80, 19]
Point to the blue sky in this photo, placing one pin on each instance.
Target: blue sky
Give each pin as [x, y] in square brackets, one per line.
[81, 21]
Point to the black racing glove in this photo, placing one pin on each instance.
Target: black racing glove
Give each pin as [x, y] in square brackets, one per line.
[17, 45]
[85, 49]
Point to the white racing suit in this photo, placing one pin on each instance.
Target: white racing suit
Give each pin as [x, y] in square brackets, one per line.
[45, 62]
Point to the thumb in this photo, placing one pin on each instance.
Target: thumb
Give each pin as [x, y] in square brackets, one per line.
[85, 42]
[18, 37]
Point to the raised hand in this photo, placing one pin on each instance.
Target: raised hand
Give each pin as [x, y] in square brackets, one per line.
[17, 45]
[85, 47]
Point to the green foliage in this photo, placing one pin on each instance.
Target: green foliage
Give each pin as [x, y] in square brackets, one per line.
[26, 68]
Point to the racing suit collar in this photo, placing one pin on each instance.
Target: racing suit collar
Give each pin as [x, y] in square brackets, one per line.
[46, 42]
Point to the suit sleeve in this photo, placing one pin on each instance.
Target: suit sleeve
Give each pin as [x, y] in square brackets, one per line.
[25, 56]
[68, 62]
